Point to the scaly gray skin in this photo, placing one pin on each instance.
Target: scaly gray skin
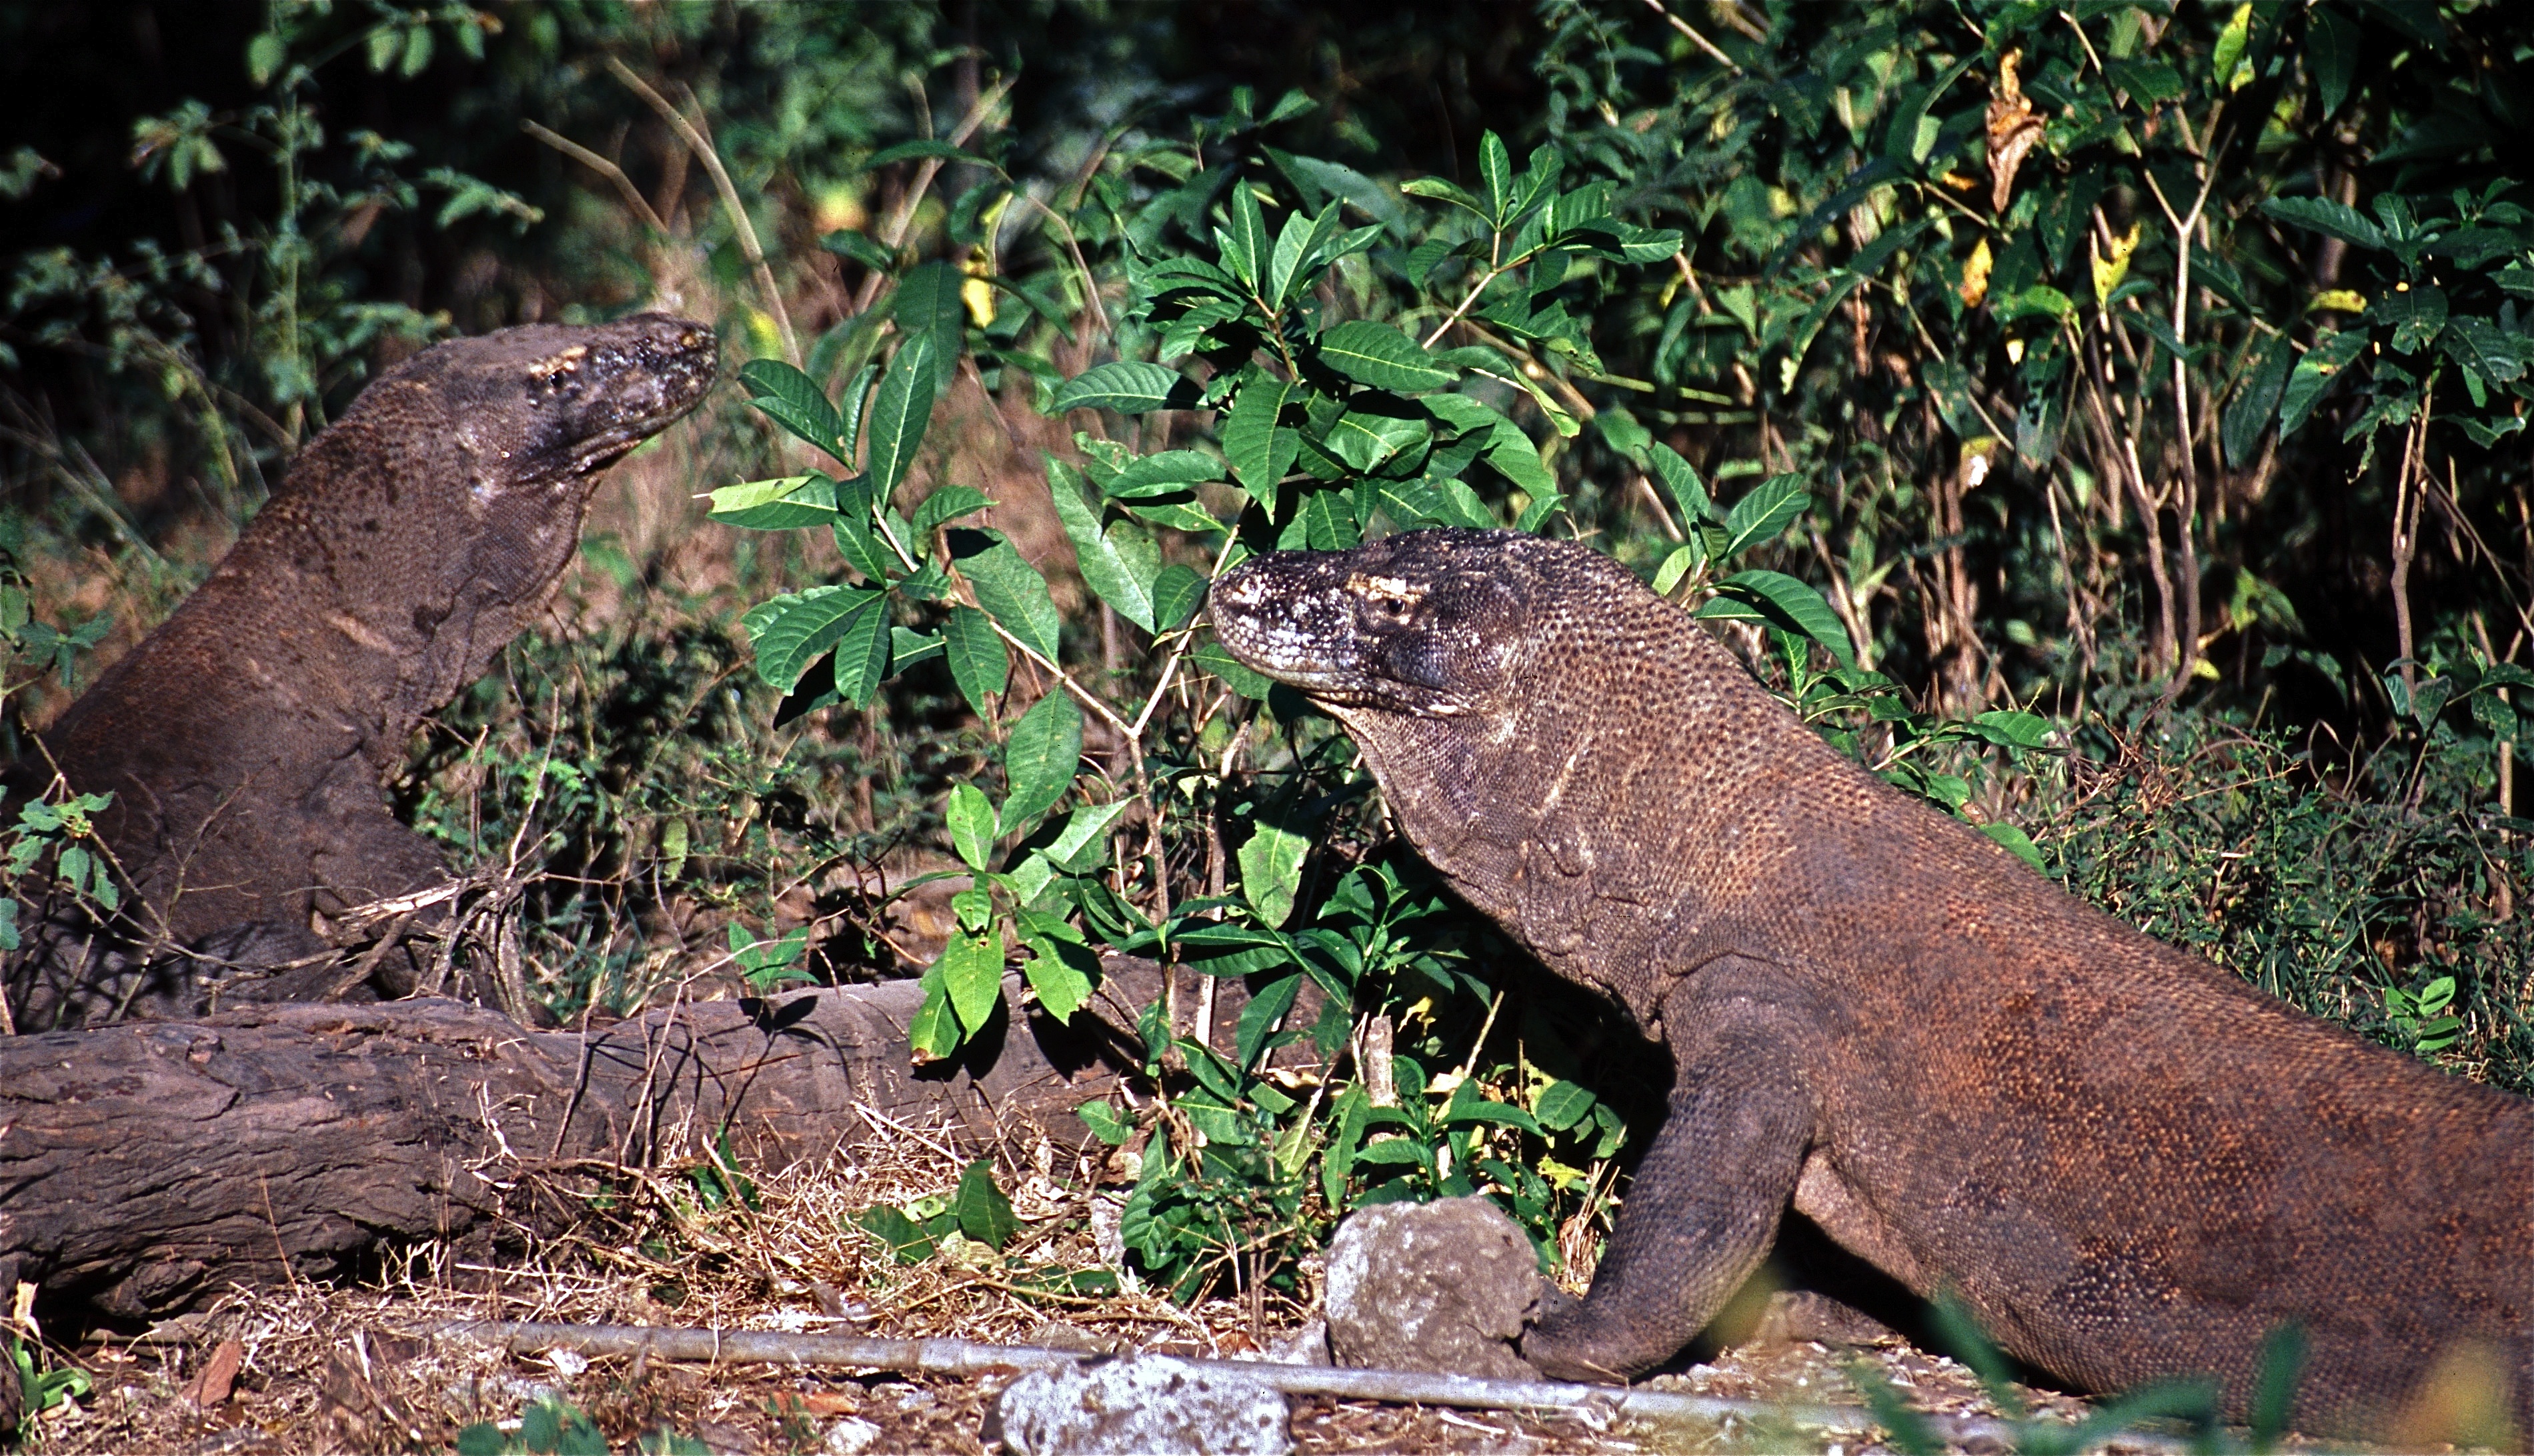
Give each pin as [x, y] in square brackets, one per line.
[2128, 1163]
[243, 740]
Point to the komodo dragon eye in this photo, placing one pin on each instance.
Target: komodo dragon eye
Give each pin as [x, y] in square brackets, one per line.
[1387, 597]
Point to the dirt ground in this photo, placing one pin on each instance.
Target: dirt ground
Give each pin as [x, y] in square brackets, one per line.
[322, 1370]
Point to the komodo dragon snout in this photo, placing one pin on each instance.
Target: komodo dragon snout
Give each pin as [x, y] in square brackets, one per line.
[2128, 1162]
[245, 738]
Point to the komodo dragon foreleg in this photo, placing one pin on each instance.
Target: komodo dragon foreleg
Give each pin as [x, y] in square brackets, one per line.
[1703, 1211]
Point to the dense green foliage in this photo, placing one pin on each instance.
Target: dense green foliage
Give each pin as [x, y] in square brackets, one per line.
[2104, 421]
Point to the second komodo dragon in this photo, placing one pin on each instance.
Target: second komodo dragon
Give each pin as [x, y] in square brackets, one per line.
[2127, 1162]
[243, 740]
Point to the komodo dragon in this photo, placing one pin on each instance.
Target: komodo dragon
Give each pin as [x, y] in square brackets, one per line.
[244, 739]
[2127, 1162]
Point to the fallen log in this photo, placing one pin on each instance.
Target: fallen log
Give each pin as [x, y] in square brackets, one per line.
[146, 1166]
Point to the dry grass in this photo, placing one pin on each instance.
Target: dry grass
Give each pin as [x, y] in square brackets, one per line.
[324, 1368]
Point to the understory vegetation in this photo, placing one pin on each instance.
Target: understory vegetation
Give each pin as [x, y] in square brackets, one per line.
[2106, 421]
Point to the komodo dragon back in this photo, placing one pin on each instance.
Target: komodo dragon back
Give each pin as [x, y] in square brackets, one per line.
[2128, 1163]
[244, 739]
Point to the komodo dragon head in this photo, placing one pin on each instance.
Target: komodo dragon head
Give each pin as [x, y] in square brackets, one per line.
[1542, 725]
[544, 404]
[1425, 625]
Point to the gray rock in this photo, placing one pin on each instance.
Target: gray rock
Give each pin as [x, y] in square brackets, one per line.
[1148, 1404]
[1440, 1286]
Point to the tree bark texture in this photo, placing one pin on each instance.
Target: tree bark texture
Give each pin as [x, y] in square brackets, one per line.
[148, 1166]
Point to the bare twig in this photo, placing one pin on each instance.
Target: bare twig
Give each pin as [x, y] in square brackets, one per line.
[1701, 41]
[702, 148]
[902, 218]
[974, 1358]
[633, 199]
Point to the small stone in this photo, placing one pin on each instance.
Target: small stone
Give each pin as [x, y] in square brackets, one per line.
[850, 1436]
[1308, 1345]
[1149, 1402]
[1442, 1286]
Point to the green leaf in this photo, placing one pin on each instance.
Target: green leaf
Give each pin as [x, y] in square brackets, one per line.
[924, 148]
[2256, 403]
[2331, 49]
[1622, 431]
[1271, 871]
[1040, 757]
[1534, 516]
[1083, 846]
[1363, 439]
[1468, 1109]
[1119, 560]
[786, 503]
[1259, 450]
[972, 976]
[861, 655]
[264, 56]
[1296, 243]
[1508, 450]
[1164, 473]
[1782, 598]
[1222, 665]
[948, 504]
[970, 817]
[793, 400]
[2415, 314]
[1062, 986]
[899, 414]
[984, 1213]
[1258, 1018]
[2228, 53]
[797, 628]
[2330, 219]
[1314, 178]
[1562, 1105]
[1688, 492]
[1177, 592]
[1685, 558]
[935, 1031]
[978, 662]
[926, 304]
[1131, 387]
[1010, 589]
[1243, 239]
[1382, 357]
[2315, 373]
[2146, 81]
[2016, 840]
[907, 1241]
[1764, 511]
[1106, 1122]
[1495, 165]
[907, 647]
[861, 249]
[2007, 728]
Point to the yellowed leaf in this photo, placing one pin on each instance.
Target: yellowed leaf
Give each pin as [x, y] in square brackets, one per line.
[1976, 269]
